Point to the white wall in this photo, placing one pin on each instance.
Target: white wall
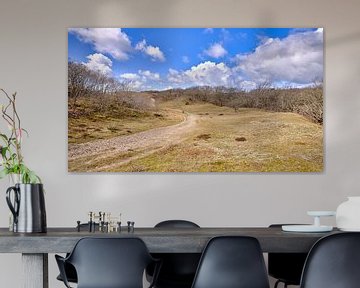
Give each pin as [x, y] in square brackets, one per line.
[33, 62]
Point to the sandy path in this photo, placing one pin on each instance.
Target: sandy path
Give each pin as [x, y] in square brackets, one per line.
[146, 142]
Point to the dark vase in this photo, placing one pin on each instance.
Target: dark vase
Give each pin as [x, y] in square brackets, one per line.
[27, 207]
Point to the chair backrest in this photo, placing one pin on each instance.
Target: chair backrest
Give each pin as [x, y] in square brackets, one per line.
[232, 262]
[110, 262]
[178, 269]
[333, 262]
[176, 224]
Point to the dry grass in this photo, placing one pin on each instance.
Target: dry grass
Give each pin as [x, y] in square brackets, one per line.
[90, 163]
[88, 123]
[275, 142]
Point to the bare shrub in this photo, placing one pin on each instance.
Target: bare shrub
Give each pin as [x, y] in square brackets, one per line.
[203, 137]
[312, 105]
[83, 82]
[240, 139]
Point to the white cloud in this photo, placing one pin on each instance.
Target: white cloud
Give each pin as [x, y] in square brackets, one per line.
[141, 45]
[143, 79]
[129, 76]
[205, 74]
[111, 41]
[99, 63]
[175, 76]
[185, 59]
[225, 35]
[216, 51]
[247, 85]
[149, 75]
[209, 73]
[208, 30]
[297, 59]
[137, 85]
[154, 52]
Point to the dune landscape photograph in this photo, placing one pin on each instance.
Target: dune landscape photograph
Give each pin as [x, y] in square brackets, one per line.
[195, 100]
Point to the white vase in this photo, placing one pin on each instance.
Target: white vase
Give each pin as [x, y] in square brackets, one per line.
[13, 179]
[348, 214]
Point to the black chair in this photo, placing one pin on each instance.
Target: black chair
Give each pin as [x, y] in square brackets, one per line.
[176, 224]
[333, 262]
[232, 262]
[286, 267]
[108, 263]
[178, 269]
[70, 273]
[69, 269]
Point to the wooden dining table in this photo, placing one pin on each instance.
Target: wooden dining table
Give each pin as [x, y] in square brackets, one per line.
[35, 247]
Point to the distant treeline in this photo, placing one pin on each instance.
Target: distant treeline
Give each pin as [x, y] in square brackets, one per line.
[110, 93]
[305, 101]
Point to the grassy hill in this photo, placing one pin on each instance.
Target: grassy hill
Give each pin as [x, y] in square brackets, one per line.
[223, 140]
[91, 119]
[248, 140]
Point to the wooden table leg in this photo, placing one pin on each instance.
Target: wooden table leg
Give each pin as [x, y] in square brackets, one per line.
[35, 270]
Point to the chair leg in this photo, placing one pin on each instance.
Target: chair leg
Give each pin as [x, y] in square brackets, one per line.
[278, 282]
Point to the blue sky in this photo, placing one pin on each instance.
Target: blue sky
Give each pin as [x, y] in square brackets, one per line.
[162, 58]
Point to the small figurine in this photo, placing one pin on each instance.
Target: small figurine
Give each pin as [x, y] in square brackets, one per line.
[78, 226]
[90, 221]
[107, 227]
[130, 226]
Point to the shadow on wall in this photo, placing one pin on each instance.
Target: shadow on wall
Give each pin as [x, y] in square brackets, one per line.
[345, 39]
[131, 14]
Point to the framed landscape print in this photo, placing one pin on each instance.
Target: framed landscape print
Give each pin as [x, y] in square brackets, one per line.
[195, 99]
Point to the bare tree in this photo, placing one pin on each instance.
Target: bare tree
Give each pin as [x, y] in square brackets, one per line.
[78, 80]
[83, 82]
